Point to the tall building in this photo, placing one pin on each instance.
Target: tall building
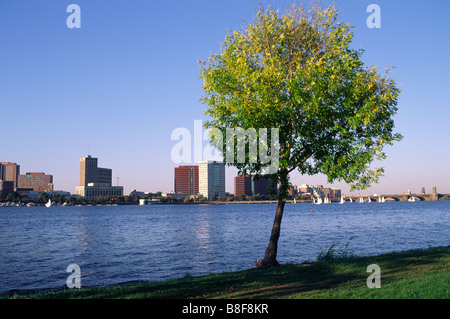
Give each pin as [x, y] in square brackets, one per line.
[96, 181]
[6, 187]
[88, 170]
[104, 176]
[186, 180]
[250, 185]
[211, 178]
[242, 185]
[9, 172]
[36, 181]
[90, 173]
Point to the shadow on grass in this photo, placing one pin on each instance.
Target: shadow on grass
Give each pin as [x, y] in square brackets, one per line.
[274, 282]
[329, 272]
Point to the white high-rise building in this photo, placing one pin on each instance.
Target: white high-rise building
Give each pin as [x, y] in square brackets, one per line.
[211, 178]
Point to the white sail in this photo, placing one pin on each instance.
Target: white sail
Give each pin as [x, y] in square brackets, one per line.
[49, 203]
[361, 200]
[351, 200]
[295, 202]
[319, 200]
[383, 200]
[369, 201]
[342, 200]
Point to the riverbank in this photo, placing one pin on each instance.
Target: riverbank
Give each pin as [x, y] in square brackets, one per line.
[415, 274]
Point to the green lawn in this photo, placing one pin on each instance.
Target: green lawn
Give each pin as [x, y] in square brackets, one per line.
[414, 274]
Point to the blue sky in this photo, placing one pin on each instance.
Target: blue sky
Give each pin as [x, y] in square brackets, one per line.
[120, 85]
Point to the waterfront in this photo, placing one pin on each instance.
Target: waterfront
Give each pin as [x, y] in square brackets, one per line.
[125, 244]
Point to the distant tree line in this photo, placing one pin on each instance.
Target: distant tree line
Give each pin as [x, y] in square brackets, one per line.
[133, 199]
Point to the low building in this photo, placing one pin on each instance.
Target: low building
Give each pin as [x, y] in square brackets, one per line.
[143, 202]
[319, 191]
[293, 191]
[95, 190]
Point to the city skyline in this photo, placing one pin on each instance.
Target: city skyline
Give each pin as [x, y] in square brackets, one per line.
[187, 178]
[117, 89]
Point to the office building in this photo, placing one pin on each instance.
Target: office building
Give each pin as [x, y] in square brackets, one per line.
[329, 192]
[211, 177]
[96, 181]
[186, 180]
[293, 191]
[88, 170]
[6, 187]
[242, 185]
[9, 172]
[319, 191]
[252, 185]
[35, 181]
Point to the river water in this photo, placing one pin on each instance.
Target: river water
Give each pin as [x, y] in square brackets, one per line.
[125, 244]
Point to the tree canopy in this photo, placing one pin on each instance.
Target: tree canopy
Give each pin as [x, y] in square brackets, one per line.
[297, 72]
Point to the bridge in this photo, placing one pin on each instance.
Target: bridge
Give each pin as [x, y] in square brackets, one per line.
[434, 196]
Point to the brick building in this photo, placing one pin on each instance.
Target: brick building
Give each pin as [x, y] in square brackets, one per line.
[9, 172]
[36, 181]
[186, 179]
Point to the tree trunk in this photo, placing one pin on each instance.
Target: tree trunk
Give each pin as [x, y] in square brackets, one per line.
[270, 257]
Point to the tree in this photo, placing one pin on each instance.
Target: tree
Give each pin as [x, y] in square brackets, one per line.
[10, 197]
[43, 198]
[296, 72]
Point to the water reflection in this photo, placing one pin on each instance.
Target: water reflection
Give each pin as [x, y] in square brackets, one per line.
[203, 232]
[81, 232]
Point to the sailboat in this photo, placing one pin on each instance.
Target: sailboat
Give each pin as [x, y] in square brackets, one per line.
[369, 201]
[351, 200]
[319, 200]
[342, 200]
[361, 200]
[383, 200]
[295, 202]
[379, 199]
[49, 203]
[412, 199]
[313, 200]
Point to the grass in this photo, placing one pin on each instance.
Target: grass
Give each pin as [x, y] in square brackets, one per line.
[415, 274]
